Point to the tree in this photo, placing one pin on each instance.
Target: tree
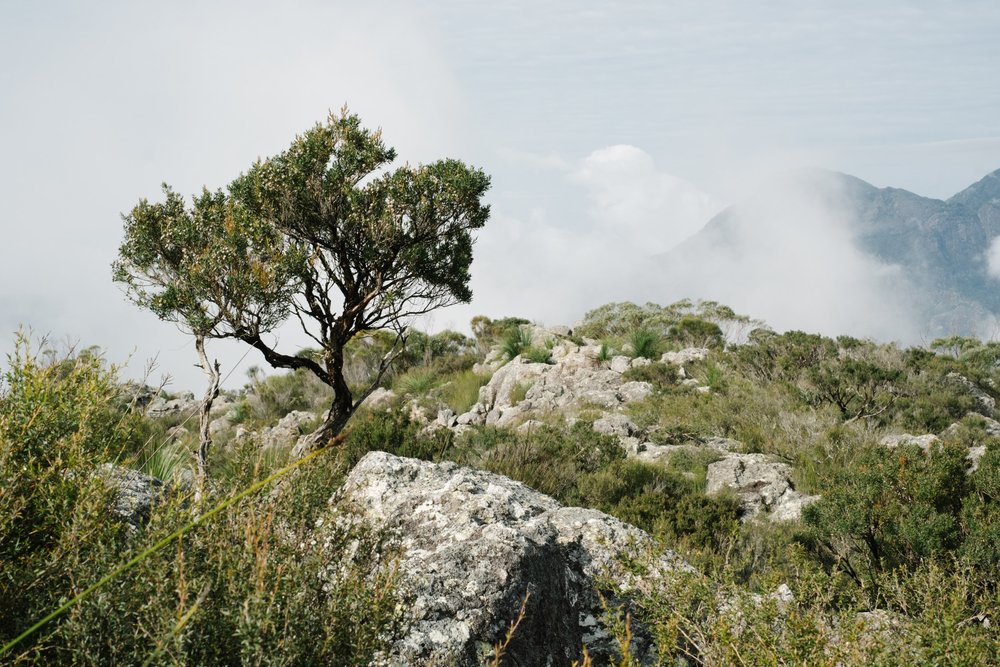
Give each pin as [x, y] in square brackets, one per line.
[323, 233]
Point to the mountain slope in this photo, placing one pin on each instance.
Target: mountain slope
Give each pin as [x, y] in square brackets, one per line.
[918, 264]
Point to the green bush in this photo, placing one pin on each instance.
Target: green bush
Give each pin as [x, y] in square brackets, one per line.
[894, 508]
[660, 501]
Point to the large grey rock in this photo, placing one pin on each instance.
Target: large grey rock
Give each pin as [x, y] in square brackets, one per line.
[906, 439]
[135, 493]
[616, 425]
[474, 543]
[380, 398]
[986, 405]
[762, 484]
[685, 356]
[184, 405]
[287, 432]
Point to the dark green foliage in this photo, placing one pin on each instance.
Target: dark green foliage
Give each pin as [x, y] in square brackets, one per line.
[645, 343]
[392, 432]
[893, 508]
[660, 501]
[981, 512]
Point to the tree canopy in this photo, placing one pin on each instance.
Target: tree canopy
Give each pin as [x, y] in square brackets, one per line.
[325, 233]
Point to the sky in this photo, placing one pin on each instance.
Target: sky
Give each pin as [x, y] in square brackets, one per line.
[612, 131]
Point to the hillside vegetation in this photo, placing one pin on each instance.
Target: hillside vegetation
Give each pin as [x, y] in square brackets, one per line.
[879, 545]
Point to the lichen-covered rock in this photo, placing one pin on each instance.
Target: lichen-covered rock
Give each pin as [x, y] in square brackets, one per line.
[986, 405]
[684, 356]
[162, 407]
[474, 543]
[905, 439]
[135, 493]
[762, 484]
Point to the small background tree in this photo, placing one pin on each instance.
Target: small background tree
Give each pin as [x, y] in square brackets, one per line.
[323, 233]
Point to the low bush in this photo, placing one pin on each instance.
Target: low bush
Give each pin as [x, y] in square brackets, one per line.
[657, 374]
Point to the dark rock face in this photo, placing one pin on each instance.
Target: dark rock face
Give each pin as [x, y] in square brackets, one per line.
[474, 543]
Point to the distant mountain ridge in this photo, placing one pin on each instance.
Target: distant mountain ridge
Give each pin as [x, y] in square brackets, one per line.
[932, 254]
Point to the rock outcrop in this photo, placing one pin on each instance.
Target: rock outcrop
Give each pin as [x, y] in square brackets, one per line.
[135, 493]
[762, 484]
[576, 377]
[474, 543]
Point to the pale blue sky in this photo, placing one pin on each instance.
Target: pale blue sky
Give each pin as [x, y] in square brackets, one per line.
[610, 128]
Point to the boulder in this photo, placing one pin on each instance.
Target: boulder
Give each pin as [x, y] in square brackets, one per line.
[287, 431]
[135, 493]
[616, 425]
[620, 363]
[473, 544]
[762, 484]
[906, 439]
[685, 356]
[379, 398]
[573, 379]
[183, 405]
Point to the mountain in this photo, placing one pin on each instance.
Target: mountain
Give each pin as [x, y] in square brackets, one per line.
[886, 261]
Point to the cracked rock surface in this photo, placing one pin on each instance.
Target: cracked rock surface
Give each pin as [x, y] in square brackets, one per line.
[473, 543]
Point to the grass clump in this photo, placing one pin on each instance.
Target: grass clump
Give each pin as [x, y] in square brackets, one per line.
[519, 392]
[462, 391]
[537, 355]
[416, 381]
[515, 341]
[645, 343]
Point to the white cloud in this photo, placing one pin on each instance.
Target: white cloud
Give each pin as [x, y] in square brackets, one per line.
[640, 205]
[993, 258]
[790, 258]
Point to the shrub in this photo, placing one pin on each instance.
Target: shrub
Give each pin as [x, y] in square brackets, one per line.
[893, 508]
[547, 459]
[657, 374]
[659, 501]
